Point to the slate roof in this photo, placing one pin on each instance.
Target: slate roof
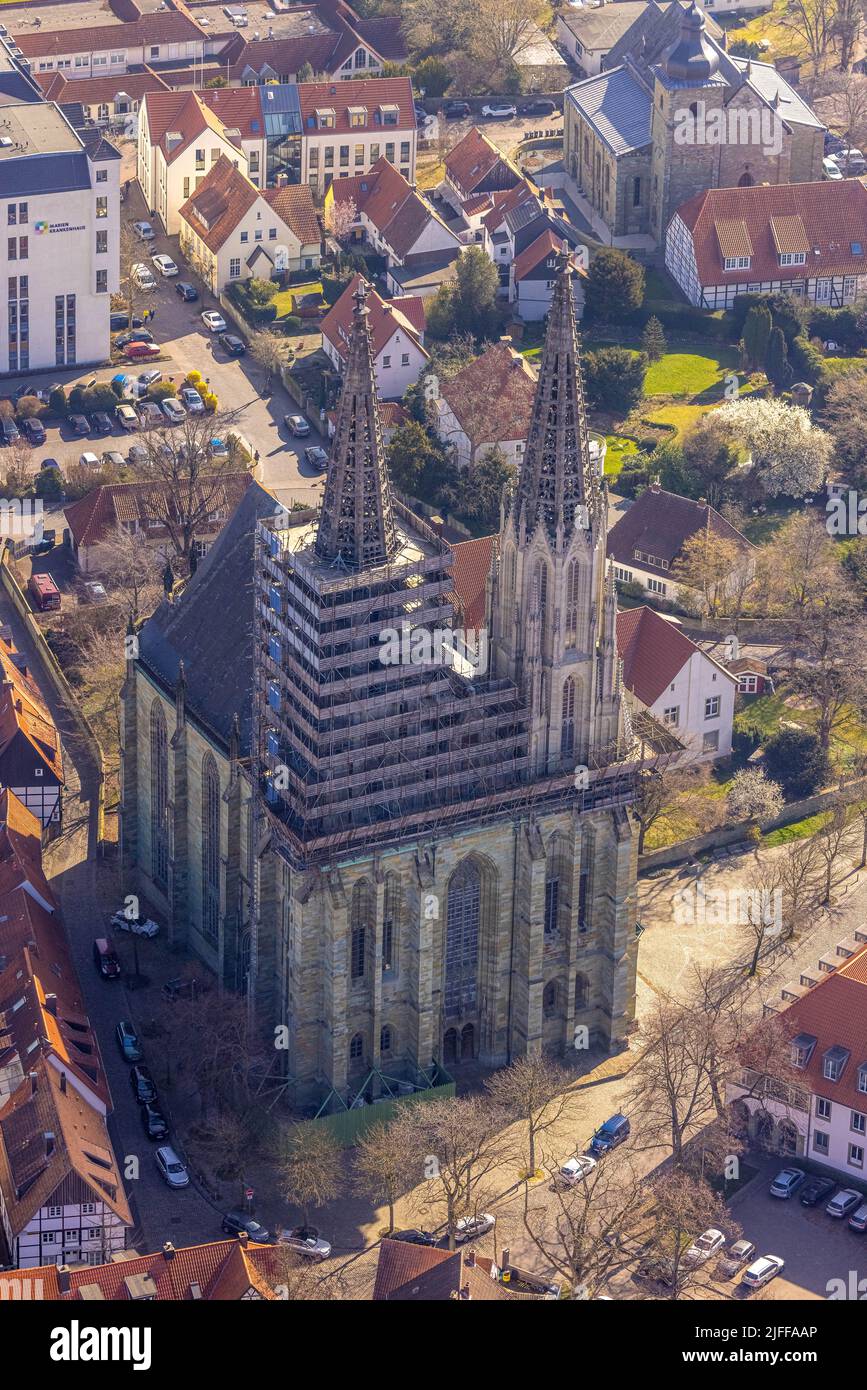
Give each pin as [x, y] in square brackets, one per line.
[65, 172]
[829, 218]
[618, 108]
[651, 34]
[385, 36]
[659, 524]
[601, 28]
[217, 656]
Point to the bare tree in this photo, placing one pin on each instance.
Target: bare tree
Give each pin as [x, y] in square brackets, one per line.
[682, 1207]
[383, 1159]
[658, 788]
[669, 1084]
[269, 349]
[713, 567]
[458, 1145]
[533, 1088]
[132, 570]
[811, 21]
[829, 842]
[310, 1167]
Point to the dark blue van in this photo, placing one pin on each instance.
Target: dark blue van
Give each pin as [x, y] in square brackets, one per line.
[609, 1135]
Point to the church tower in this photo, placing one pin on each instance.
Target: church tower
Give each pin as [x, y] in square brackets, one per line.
[553, 611]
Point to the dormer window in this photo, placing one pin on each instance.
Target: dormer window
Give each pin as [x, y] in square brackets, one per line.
[357, 116]
[793, 258]
[389, 114]
[737, 263]
[802, 1050]
[325, 117]
[834, 1062]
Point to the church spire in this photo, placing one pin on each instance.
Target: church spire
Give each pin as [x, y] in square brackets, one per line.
[356, 525]
[556, 479]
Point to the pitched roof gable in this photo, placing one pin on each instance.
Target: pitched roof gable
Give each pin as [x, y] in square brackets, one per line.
[653, 651]
[221, 201]
[386, 316]
[659, 524]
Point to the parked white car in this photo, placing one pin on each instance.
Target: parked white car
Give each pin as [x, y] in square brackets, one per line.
[165, 265]
[170, 1167]
[192, 400]
[844, 1202]
[138, 927]
[499, 110]
[763, 1270]
[143, 277]
[574, 1169]
[472, 1227]
[173, 410]
[214, 322]
[707, 1244]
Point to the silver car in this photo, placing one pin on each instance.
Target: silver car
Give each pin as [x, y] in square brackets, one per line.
[171, 1169]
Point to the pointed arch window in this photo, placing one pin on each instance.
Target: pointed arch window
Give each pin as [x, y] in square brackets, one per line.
[159, 796]
[210, 848]
[390, 919]
[567, 726]
[462, 939]
[362, 914]
[539, 597]
[572, 581]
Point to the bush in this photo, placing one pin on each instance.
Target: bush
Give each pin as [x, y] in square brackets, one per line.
[796, 759]
[753, 796]
[76, 399]
[630, 588]
[630, 481]
[845, 326]
[99, 397]
[786, 313]
[57, 402]
[210, 401]
[686, 318]
[433, 75]
[290, 324]
[254, 299]
[48, 484]
[30, 408]
[806, 361]
[161, 390]
[333, 286]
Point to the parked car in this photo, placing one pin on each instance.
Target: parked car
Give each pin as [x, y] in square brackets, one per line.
[787, 1182]
[303, 1241]
[316, 458]
[737, 1257]
[416, 1237]
[574, 1169]
[188, 292]
[134, 335]
[126, 416]
[814, 1189]
[139, 926]
[858, 1219]
[150, 415]
[173, 410]
[456, 110]
[850, 161]
[143, 277]
[708, 1243]
[144, 231]
[33, 431]
[127, 1041]
[214, 322]
[137, 350]
[844, 1202]
[762, 1271]
[170, 1167]
[542, 106]
[297, 425]
[79, 424]
[422, 117]
[105, 959]
[137, 455]
[236, 1223]
[473, 1227]
[831, 170]
[51, 463]
[88, 459]
[93, 592]
[165, 265]
[142, 1085]
[101, 422]
[615, 1131]
[232, 344]
[499, 110]
[192, 400]
[154, 1122]
[48, 542]
[8, 430]
[148, 377]
[118, 323]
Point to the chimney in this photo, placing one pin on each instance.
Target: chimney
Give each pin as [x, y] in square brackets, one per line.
[470, 1259]
[168, 1251]
[63, 1279]
[465, 1292]
[51, 1004]
[63, 1083]
[702, 501]
[504, 1258]
[243, 1239]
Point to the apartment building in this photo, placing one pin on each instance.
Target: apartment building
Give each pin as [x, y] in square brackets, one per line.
[348, 127]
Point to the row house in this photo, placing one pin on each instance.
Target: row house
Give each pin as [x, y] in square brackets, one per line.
[62, 1199]
[347, 129]
[391, 216]
[31, 762]
[808, 241]
[397, 337]
[103, 50]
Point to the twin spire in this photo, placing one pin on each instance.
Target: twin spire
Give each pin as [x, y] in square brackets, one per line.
[356, 525]
[556, 480]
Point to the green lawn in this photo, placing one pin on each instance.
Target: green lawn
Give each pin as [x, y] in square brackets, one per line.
[783, 40]
[284, 298]
[690, 373]
[797, 830]
[617, 451]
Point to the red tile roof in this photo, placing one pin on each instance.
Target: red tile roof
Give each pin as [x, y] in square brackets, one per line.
[406, 1272]
[285, 56]
[294, 205]
[94, 515]
[92, 91]
[219, 203]
[492, 397]
[390, 203]
[827, 216]
[505, 201]
[189, 113]
[652, 650]
[545, 245]
[834, 1012]
[158, 27]
[386, 316]
[384, 35]
[219, 1271]
[472, 159]
[659, 524]
[23, 710]
[370, 92]
[472, 563]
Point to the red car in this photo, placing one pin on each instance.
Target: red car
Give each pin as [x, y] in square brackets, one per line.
[142, 350]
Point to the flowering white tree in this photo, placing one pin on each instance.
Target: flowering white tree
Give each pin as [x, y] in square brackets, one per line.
[790, 453]
[340, 217]
[752, 795]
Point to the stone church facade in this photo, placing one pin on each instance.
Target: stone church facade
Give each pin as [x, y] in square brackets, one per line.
[399, 864]
[672, 114]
